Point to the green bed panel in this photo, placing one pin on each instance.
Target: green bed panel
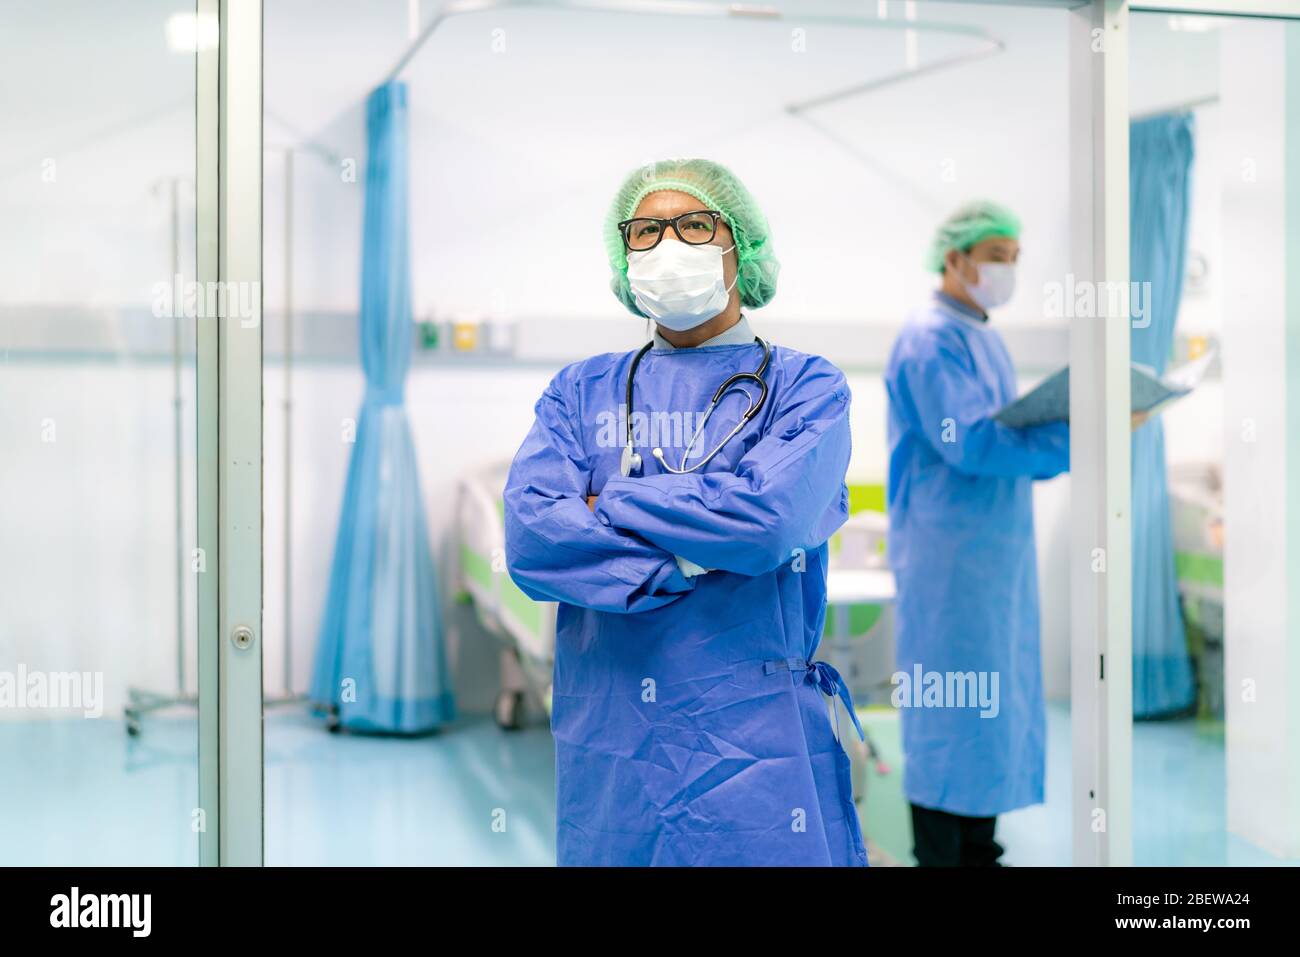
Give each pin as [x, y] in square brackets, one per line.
[866, 497]
[1199, 568]
[476, 567]
[862, 618]
[526, 611]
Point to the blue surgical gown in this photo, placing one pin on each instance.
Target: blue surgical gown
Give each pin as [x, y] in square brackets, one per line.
[690, 721]
[961, 544]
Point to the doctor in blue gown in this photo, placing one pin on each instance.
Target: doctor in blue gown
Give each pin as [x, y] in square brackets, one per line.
[961, 544]
[690, 716]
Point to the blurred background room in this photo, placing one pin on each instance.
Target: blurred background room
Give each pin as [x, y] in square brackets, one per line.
[857, 125]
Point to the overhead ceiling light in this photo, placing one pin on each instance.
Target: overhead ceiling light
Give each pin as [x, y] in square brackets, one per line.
[1185, 24]
[191, 32]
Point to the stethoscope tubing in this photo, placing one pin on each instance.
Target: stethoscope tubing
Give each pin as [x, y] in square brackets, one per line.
[632, 461]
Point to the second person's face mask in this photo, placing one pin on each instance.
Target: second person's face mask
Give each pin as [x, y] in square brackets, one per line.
[678, 285]
[997, 283]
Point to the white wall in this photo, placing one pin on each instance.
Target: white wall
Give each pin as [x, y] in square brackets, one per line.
[1262, 494]
[1174, 65]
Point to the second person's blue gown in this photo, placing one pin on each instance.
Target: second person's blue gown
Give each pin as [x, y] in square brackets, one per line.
[691, 726]
[961, 544]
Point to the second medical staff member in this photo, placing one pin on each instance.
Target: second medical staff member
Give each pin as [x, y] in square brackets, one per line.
[961, 544]
[690, 724]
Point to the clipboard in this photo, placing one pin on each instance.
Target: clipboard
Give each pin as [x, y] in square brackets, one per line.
[1049, 401]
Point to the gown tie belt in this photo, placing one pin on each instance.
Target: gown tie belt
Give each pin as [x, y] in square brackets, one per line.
[828, 681]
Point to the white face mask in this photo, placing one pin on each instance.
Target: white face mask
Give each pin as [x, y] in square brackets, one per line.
[997, 284]
[678, 285]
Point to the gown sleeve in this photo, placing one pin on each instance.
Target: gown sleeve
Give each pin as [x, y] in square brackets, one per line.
[943, 399]
[556, 549]
[786, 493]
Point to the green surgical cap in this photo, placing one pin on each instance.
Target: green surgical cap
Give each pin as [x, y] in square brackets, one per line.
[717, 188]
[969, 225]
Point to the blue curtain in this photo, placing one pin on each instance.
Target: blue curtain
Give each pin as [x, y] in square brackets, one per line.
[1160, 162]
[381, 659]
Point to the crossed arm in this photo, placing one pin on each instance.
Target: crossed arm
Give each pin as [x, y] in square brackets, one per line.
[622, 551]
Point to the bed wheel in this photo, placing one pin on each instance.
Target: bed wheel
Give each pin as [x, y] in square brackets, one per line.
[509, 710]
[333, 724]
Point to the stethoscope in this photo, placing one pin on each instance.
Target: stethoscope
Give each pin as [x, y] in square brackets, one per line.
[631, 460]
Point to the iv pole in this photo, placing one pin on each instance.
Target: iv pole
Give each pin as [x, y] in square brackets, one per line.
[287, 695]
[140, 701]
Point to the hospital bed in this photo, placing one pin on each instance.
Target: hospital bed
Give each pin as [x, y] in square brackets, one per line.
[526, 628]
[1196, 515]
[858, 638]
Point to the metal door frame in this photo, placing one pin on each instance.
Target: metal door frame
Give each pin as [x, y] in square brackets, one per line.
[1100, 481]
[229, 269]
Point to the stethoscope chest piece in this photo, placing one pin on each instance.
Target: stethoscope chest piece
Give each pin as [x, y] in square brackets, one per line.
[629, 462]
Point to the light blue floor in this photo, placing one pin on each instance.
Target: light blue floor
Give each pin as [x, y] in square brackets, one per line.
[1179, 808]
[77, 792]
[81, 792]
[471, 795]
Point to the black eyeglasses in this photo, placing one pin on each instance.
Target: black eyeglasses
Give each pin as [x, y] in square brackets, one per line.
[645, 232]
